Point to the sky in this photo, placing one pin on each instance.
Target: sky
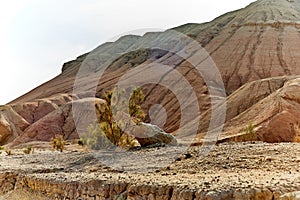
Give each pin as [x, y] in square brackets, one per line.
[38, 36]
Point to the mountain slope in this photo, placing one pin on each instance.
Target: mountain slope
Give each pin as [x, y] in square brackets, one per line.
[257, 42]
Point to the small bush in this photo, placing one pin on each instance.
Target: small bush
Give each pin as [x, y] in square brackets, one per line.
[80, 142]
[1, 149]
[58, 143]
[96, 138]
[27, 150]
[8, 152]
[108, 131]
[249, 134]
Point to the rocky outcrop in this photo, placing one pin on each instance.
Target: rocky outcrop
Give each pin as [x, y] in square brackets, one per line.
[37, 109]
[271, 105]
[61, 121]
[11, 124]
[19, 120]
[275, 115]
[148, 134]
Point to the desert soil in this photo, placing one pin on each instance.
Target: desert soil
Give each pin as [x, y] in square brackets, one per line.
[227, 167]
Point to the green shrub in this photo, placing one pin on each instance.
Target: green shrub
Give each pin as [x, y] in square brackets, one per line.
[109, 131]
[27, 150]
[8, 152]
[135, 109]
[96, 138]
[58, 143]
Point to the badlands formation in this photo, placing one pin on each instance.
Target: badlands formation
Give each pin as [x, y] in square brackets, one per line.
[257, 53]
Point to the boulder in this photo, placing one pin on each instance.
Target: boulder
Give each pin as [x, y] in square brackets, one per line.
[148, 134]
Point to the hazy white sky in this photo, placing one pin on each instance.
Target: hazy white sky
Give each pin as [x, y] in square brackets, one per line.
[38, 36]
